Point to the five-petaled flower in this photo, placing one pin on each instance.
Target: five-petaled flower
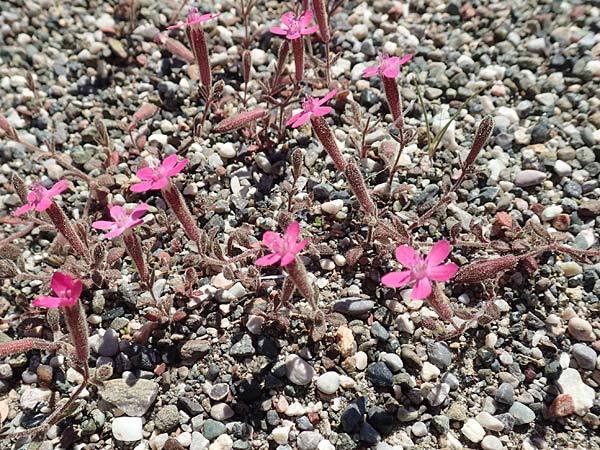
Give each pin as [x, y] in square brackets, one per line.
[40, 198]
[156, 176]
[284, 247]
[420, 270]
[122, 220]
[67, 289]
[311, 106]
[294, 26]
[388, 67]
[194, 18]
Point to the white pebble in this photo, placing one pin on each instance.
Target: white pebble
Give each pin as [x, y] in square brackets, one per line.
[332, 207]
[226, 150]
[491, 443]
[328, 383]
[429, 371]
[127, 429]
[473, 431]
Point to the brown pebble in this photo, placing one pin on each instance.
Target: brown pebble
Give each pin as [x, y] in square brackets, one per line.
[562, 222]
[44, 373]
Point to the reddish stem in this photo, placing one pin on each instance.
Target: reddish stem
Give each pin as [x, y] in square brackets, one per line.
[77, 326]
[197, 40]
[177, 203]
[325, 135]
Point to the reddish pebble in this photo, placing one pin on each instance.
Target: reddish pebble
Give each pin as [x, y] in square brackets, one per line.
[562, 222]
[562, 406]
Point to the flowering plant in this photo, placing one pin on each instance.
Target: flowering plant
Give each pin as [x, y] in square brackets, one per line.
[283, 247]
[122, 220]
[421, 271]
[66, 288]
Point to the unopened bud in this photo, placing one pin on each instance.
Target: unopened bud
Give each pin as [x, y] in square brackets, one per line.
[239, 120]
[357, 183]
[175, 47]
[247, 64]
[484, 270]
[483, 134]
[284, 49]
[8, 128]
[297, 159]
[146, 111]
[20, 188]
[321, 16]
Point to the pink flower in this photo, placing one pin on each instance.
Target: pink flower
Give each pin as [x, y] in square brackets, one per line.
[422, 271]
[194, 18]
[388, 67]
[284, 247]
[67, 289]
[294, 26]
[40, 198]
[122, 221]
[157, 176]
[311, 106]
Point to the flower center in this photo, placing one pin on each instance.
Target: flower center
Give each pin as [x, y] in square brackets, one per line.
[420, 270]
[38, 191]
[295, 25]
[308, 104]
[384, 61]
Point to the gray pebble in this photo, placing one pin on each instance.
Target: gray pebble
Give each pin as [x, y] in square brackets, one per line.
[585, 356]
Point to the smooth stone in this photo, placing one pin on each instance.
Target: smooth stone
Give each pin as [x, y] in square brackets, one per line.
[243, 348]
[491, 442]
[562, 169]
[438, 394]
[298, 371]
[505, 394]
[570, 383]
[132, 396]
[281, 434]
[221, 411]
[521, 413]
[489, 422]
[223, 442]
[529, 177]
[308, 440]
[581, 329]
[473, 431]
[353, 307]
[199, 442]
[212, 429]
[328, 383]
[419, 429]
[429, 371]
[332, 207]
[127, 429]
[439, 354]
[585, 356]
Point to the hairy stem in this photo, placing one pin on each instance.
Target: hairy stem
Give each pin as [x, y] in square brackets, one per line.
[298, 49]
[77, 326]
[134, 249]
[177, 204]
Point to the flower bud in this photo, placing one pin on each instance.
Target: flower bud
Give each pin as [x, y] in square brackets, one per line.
[239, 120]
[483, 133]
[486, 269]
[357, 183]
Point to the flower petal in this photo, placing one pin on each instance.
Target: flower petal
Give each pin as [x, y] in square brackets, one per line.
[328, 97]
[169, 162]
[103, 224]
[59, 187]
[297, 248]
[391, 72]
[443, 272]
[292, 232]
[139, 211]
[278, 30]
[405, 59]
[287, 18]
[407, 256]
[177, 168]
[268, 260]
[117, 231]
[293, 119]
[43, 204]
[157, 185]
[61, 283]
[288, 258]
[310, 30]
[76, 291]
[145, 173]
[438, 253]
[370, 72]
[397, 279]
[305, 18]
[23, 209]
[421, 290]
[293, 35]
[117, 212]
[47, 302]
[303, 117]
[142, 187]
[322, 110]
[272, 240]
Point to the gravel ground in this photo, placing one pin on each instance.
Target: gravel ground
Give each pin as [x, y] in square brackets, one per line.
[228, 373]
